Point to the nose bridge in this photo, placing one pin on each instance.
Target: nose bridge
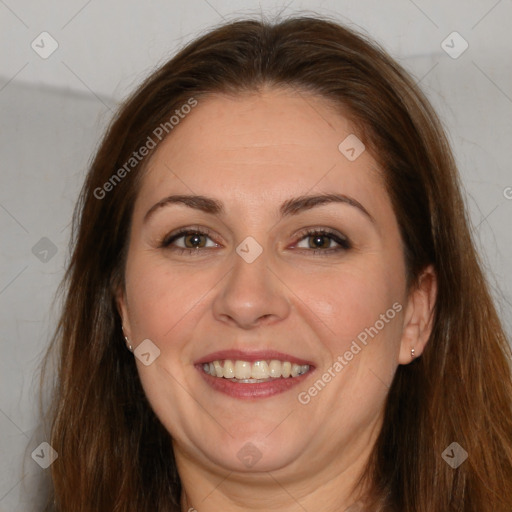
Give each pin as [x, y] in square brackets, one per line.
[251, 291]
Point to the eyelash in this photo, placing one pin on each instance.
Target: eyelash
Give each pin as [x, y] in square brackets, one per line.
[343, 242]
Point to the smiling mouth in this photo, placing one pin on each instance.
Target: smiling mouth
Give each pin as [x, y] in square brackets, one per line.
[245, 372]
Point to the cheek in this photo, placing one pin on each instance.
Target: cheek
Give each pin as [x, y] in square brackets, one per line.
[351, 299]
[154, 298]
[362, 312]
[163, 300]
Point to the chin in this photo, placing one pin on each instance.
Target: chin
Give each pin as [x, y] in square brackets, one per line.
[249, 457]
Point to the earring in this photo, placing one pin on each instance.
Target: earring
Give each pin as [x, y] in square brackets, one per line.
[412, 353]
[128, 344]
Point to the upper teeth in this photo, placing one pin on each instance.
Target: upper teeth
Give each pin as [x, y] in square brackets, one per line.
[256, 370]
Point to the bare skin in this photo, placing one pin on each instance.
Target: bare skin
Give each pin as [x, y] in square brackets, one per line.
[252, 153]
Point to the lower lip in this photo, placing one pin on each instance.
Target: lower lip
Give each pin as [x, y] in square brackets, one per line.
[254, 390]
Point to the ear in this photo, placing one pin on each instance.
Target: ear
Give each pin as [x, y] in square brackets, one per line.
[122, 309]
[419, 316]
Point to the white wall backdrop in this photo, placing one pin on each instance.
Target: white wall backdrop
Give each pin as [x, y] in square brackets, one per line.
[58, 91]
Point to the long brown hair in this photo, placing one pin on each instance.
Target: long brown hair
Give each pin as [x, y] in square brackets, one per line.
[114, 454]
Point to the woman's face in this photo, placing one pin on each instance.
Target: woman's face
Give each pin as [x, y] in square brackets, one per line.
[248, 283]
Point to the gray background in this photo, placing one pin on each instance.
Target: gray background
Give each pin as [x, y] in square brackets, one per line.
[55, 110]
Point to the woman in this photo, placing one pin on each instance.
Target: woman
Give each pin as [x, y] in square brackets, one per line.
[274, 301]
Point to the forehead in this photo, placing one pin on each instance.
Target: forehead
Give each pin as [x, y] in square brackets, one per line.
[251, 144]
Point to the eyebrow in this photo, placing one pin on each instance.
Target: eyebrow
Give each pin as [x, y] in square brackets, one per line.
[289, 207]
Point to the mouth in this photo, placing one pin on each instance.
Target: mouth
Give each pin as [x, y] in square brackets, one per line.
[253, 375]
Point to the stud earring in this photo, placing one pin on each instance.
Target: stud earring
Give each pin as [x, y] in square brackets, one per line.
[128, 344]
[412, 353]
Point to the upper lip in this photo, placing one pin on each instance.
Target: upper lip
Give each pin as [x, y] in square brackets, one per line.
[251, 356]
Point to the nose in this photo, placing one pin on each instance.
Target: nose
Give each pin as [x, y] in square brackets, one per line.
[252, 294]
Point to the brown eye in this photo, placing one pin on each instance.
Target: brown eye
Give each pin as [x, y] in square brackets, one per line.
[188, 240]
[320, 241]
[193, 240]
